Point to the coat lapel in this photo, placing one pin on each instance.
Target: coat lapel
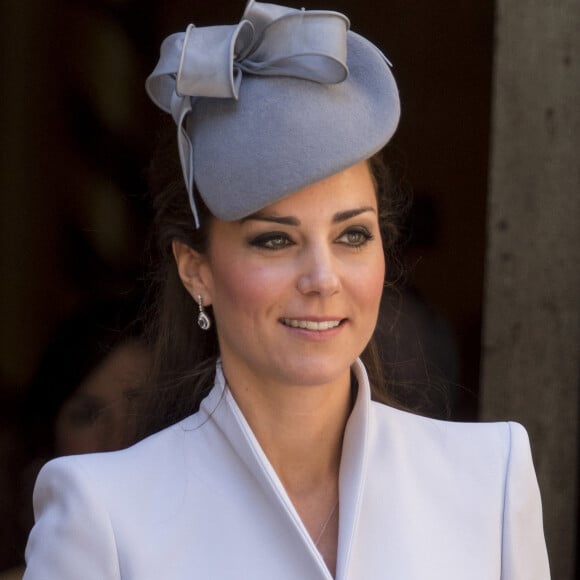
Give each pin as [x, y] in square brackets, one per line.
[353, 469]
[221, 408]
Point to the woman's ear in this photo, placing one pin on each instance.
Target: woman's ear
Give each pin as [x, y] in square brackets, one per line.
[193, 271]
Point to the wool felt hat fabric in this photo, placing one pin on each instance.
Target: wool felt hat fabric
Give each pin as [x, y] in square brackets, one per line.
[273, 104]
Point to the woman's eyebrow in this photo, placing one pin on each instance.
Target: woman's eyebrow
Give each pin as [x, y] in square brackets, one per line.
[293, 221]
[284, 220]
[350, 213]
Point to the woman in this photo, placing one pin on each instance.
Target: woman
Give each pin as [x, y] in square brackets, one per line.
[272, 461]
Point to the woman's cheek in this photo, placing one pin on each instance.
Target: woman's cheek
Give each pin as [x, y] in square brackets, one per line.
[246, 283]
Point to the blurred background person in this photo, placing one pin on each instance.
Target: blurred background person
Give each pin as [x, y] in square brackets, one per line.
[81, 398]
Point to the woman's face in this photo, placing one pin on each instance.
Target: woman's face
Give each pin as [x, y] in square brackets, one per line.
[295, 288]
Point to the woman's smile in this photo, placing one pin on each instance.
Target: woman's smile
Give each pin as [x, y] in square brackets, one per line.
[315, 325]
[309, 329]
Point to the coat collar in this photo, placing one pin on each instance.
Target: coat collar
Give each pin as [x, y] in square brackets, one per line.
[221, 409]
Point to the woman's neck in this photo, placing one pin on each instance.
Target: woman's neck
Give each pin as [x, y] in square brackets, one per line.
[300, 428]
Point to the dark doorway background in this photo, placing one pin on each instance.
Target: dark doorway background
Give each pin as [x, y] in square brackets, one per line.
[77, 130]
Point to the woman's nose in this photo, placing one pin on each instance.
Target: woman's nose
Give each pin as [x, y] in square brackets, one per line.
[320, 273]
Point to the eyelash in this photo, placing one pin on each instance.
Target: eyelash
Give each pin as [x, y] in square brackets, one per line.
[362, 233]
[268, 241]
[273, 241]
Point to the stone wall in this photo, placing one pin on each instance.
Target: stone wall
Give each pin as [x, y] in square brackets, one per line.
[530, 357]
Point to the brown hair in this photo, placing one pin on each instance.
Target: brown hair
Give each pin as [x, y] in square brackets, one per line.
[184, 356]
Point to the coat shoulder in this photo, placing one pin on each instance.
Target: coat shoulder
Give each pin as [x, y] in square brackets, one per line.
[459, 443]
[161, 456]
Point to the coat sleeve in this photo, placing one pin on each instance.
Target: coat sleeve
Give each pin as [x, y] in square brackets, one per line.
[524, 548]
[72, 537]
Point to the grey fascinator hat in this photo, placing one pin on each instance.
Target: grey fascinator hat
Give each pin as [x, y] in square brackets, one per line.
[273, 104]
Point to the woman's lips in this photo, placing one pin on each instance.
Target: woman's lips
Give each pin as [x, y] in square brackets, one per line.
[316, 325]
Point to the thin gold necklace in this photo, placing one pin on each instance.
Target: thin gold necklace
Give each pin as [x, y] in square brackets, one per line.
[326, 522]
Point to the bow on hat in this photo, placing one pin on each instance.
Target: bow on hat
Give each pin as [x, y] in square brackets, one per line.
[270, 40]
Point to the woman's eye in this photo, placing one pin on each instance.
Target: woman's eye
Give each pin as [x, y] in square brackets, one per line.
[355, 237]
[272, 241]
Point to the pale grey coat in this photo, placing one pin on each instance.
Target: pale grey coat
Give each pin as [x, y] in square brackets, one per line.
[420, 499]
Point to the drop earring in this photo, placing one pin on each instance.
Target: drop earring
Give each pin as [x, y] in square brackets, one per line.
[203, 319]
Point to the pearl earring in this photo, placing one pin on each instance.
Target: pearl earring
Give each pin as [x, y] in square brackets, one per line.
[203, 319]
